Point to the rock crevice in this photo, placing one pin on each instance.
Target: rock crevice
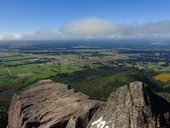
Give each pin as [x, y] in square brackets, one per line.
[46, 104]
[133, 106]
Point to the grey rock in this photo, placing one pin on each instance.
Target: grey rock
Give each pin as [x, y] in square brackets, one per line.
[133, 106]
[46, 104]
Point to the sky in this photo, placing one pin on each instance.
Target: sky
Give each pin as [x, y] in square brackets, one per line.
[84, 19]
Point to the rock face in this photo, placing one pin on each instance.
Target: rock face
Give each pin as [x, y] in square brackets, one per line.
[46, 104]
[133, 106]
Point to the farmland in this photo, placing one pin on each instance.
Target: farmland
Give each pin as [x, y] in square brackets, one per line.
[163, 77]
[93, 68]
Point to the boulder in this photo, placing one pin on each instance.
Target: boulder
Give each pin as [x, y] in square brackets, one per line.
[133, 106]
[46, 104]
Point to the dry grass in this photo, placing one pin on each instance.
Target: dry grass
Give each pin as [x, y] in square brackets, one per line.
[163, 77]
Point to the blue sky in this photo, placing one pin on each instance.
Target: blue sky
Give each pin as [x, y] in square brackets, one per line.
[29, 16]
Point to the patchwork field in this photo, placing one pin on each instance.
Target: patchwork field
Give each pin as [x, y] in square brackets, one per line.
[22, 65]
[163, 77]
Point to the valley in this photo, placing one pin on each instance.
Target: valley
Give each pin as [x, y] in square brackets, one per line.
[93, 67]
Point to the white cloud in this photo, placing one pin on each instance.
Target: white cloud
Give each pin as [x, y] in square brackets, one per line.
[11, 36]
[17, 36]
[1, 37]
[98, 28]
[90, 28]
[41, 34]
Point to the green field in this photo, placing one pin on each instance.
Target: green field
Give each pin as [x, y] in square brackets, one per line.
[100, 82]
[20, 67]
[16, 71]
[93, 70]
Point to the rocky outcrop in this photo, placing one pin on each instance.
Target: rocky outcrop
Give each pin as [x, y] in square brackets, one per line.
[46, 104]
[133, 106]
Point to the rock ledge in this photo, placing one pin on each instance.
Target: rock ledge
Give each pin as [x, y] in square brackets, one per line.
[133, 106]
[46, 104]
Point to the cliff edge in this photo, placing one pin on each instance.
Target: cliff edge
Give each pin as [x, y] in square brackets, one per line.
[133, 106]
[46, 104]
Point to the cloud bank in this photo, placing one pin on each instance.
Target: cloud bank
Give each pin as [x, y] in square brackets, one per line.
[94, 28]
[90, 28]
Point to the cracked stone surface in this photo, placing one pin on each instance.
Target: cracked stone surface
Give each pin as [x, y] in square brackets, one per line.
[46, 104]
[133, 106]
